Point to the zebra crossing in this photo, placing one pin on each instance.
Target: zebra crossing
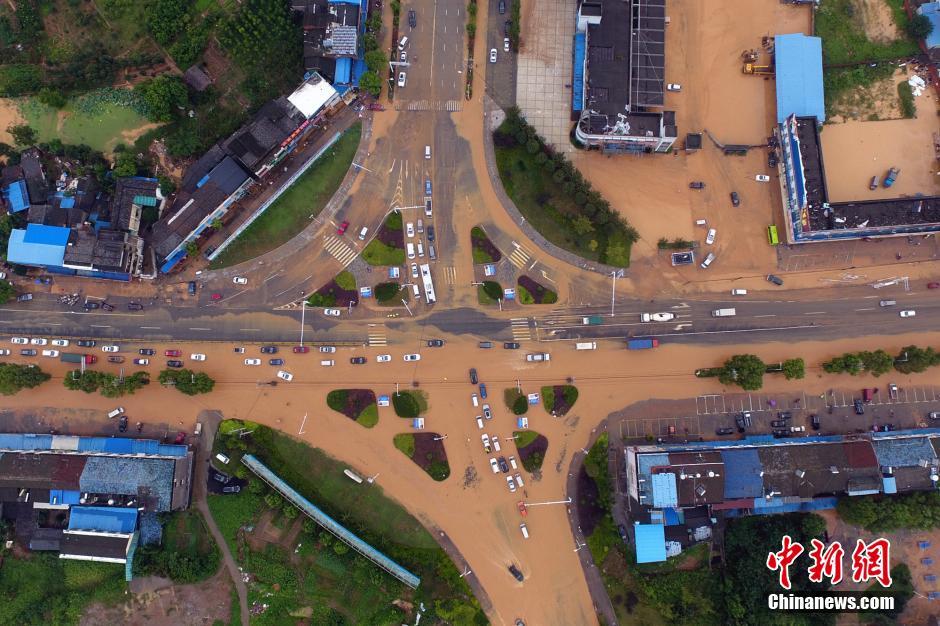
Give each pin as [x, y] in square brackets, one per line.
[450, 275]
[519, 257]
[377, 338]
[452, 106]
[340, 250]
[520, 329]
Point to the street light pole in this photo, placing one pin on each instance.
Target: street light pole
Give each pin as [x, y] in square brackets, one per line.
[303, 311]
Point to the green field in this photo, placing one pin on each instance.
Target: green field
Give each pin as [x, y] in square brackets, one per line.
[101, 130]
[187, 553]
[297, 206]
[323, 575]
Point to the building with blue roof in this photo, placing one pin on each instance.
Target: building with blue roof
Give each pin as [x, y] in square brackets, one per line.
[932, 11]
[15, 196]
[799, 75]
[38, 246]
[650, 543]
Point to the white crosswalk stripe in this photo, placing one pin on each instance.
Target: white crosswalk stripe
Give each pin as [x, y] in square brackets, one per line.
[340, 249]
[426, 105]
[519, 256]
[450, 275]
[377, 339]
[520, 328]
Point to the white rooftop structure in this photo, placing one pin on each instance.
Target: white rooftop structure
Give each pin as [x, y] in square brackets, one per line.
[312, 95]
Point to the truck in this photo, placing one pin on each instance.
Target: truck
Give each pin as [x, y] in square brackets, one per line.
[593, 320]
[642, 344]
[73, 357]
[891, 177]
[585, 345]
[724, 313]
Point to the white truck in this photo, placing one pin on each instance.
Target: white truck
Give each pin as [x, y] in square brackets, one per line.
[585, 345]
[724, 313]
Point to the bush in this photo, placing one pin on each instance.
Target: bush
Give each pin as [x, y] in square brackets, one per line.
[906, 98]
[515, 401]
[186, 381]
[919, 27]
[406, 404]
[386, 292]
[406, 443]
[493, 289]
[14, 377]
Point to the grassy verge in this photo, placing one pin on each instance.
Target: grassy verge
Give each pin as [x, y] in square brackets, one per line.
[490, 292]
[409, 403]
[324, 573]
[188, 553]
[292, 212]
[906, 96]
[515, 401]
[378, 253]
[406, 443]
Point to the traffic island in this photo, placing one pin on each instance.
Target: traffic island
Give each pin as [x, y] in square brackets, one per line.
[515, 401]
[484, 251]
[409, 404]
[558, 399]
[531, 447]
[341, 291]
[388, 294]
[427, 451]
[490, 292]
[388, 247]
[356, 404]
[531, 292]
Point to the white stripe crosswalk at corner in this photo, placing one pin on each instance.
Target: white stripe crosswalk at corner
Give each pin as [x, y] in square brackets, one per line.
[519, 256]
[520, 328]
[377, 339]
[340, 249]
[426, 105]
[450, 275]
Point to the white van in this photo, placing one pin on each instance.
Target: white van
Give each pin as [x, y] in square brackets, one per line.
[708, 260]
[475, 399]
[415, 290]
[362, 233]
[427, 152]
[585, 345]
[420, 249]
[222, 458]
[887, 303]
[427, 207]
[411, 251]
[198, 430]
[116, 412]
[524, 529]
[739, 292]
[402, 43]
[328, 363]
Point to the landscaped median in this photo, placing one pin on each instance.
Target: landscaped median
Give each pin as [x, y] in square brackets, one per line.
[427, 451]
[531, 447]
[409, 404]
[531, 291]
[558, 399]
[356, 404]
[388, 246]
[341, 291]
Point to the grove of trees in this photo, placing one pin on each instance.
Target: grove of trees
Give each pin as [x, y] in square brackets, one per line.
[187, 381]
[14, 377]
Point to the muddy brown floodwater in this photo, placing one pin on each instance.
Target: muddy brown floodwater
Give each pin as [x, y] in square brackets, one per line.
[481, 519]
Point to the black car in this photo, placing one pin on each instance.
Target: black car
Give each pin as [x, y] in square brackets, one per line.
[231, 489]
[122, 425]
[503, 465]
[192, 288]
[859, 407]
[502, 7]
[275, 361]
[511, 345]
[412, 18]
[724, 431]
[268, 349]
[814, 421]
[91, 306]
[435, 343]
[473, 376]
[135, 306]
[222, 478]
[147, 351]
[735, 199]
[778, 424]
[623, 532]
[516, 573]
[86, 343]
[430, 233]
[174, 363]
[771, 278]
[26, 297]
[358, 360]
[507, 26]
[780, 433]
[27, 352]
[743, 421]
[696, 184]
[107, 306]
[772, 160]
[784, 415]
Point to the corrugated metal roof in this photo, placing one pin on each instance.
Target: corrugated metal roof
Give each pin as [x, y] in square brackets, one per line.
[665, 493]
[104, 519]
[24, 252]
[799, 76]
[905, 452]
[16, 196]
[742, 474]
[108, 445]
[64, 496]
[650, 543]
[932, 11]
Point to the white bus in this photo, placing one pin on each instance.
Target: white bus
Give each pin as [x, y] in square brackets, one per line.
[428, 284]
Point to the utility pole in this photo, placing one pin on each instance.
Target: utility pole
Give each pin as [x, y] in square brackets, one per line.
[302, 424]
[303, 310]
[407, 308]
[613, 288]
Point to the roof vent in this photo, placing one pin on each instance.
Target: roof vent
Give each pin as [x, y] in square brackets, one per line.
[800, 473]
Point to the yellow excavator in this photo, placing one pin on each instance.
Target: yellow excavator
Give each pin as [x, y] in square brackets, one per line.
[758, 70]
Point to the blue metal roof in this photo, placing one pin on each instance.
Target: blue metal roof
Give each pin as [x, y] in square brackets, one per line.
[890, 484]
[40, 250]
[130, 476]
[742, 474]
[577, 89]
[171, 262]
[46, 235]
[650, 543]
[106, 519]
[64, 496]
[799, 76]
[67, 202]
[673, 517]
[665, 492]
[762, 507]
[343, 71]
[932, 11]
[16, 196]
[26, 442]
[906, 452]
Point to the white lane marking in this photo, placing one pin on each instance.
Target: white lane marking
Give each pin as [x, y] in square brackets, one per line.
[815, 313]
[150, 327]
[870, 309]
[767, 315]
[99, 326]
[200, 329]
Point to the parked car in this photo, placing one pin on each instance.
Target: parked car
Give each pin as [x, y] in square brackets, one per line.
[493, 465]
[287, 376]
[332, 312]
[483, 390]
[502, 7]
[275, 361]
[172, 353]
[430, 233]
[473, 376]
[859, 406]
[50, 353]
[4, 352]
[673, 87]
[934, 415]
[91, 306]
[772, 278]
[300, 349]
[908, 313]
[358, 360]
[486, 443]
[762, 178]
[516, 573]
[141, 361]
[435, 343]
[191, 287]
[412, 18]
[345, 223]
[814, 421]
[384, 358]
[327, 349]
[115, 359]
[122, 424]
[503, 465]
[240, 280]
[197, 357]
[696, 184]
[412, 357]
[174, 363]
[933, 285]
[134, 306]
[231, 489]
[778, 423]
[20, 341]
[61, 343]
[511, 345]
[107, 306]
[511, 483]
[735, 199]
[505, 44]
[252, 361]
[268, 349]
[110, 348]
[27, 352]
[538, 357]
[657, 317]
[39, 341]
[724, 431]
[492, 55]
[401, 79]
[24, 297]
[86, 343]
[146, 351]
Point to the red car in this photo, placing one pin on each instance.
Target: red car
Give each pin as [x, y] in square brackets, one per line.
[216, 296]
[301, 349]
[180, 438]
[342, 227]
[173, 353]
[933, 285]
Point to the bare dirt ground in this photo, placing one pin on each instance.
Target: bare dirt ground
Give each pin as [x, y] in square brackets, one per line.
[158, 602]
[876, 20]
[853, 152]
[9, 116]
[878, 101]
[480, 518]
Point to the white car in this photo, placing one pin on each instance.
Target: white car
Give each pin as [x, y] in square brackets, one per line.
[62, 343]
[240, 280]
[38, 341]
[495, 440]
[412, 357]
[20, 341]
[673, 87]
[494, 466]
[384, 358]
[52, 353]
[492, 55]
[410, 229]
[486, 443]
[479, 417]
[487, 413]
[327, 349]
[414, 270]
[512, 463]
[401, 79]
[908, 313]
[403, 56]
[197, 357]
[511, 483]
[505, 44]
[5, 352]
[285, 375]
[110, 348]
[762, 178]
[252, 361]
[710, 237]
[657, 317]
[332, 312]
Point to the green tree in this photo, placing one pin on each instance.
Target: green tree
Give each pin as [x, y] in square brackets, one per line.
[164, 96]
[290, 511]
[125, 164]
[340, 548]
[19, 79]
[14, 377]
[915, 360]
[617, 254]
[166, 19]
[273, 500]
[794, 368]
[6, 292]
[192, 249]
[919, 27]
[375, 61]
[187, 381]
[878, 362]
[744, 370]
[23, 134]
[167, 186]
[582, 225]
[51, 97]
[371, 83]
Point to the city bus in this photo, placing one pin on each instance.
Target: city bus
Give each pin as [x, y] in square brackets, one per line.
[772, 235]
